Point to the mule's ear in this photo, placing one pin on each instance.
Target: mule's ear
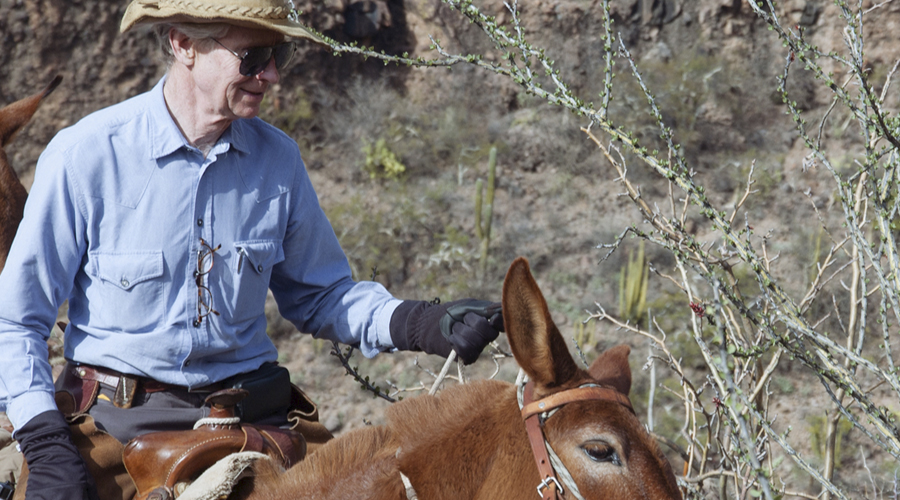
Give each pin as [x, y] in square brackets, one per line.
[535, 341]
[612, 368]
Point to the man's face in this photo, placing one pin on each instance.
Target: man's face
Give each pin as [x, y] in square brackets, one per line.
[216, 73]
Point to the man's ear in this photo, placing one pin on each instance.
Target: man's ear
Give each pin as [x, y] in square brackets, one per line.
[183, 47]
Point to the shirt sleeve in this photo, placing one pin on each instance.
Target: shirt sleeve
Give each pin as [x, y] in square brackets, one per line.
[314, 287]
[37, 278]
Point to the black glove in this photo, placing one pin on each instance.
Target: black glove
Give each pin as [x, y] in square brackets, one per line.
[465, 326]
[56, 470]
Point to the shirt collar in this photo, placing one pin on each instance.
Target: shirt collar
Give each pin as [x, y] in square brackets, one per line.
[166, 137]
[236, 135]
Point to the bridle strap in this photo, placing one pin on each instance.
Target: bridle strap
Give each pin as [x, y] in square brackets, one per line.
[549, 482]
[531, 411]
[588, 393]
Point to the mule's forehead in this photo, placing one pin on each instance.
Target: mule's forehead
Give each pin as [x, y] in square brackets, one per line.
[584, 421]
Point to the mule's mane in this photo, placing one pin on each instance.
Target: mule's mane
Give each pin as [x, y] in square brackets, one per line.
[451, 407]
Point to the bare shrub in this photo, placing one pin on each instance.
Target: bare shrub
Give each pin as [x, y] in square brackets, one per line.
[721, 361]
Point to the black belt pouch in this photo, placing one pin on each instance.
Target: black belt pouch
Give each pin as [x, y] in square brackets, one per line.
[269, 390]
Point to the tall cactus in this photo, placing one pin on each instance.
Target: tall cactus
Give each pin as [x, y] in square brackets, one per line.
[483, 221]
[633, 281]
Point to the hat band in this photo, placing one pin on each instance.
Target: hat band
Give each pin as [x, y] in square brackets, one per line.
[228, 10]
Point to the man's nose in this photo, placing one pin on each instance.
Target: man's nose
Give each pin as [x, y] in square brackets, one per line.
[270, 74]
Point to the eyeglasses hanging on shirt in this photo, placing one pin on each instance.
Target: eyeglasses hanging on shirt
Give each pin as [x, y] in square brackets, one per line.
[204, 295]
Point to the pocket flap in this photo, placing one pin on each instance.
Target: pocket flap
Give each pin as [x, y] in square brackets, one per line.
[260, 255]
[126, 269]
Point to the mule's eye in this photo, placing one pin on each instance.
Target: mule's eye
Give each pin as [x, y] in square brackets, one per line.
[601, 452]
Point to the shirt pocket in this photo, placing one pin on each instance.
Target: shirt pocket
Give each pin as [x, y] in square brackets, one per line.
[127, 292]
[252, 270]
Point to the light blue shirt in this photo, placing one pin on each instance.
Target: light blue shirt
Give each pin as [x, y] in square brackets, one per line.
[113, 223]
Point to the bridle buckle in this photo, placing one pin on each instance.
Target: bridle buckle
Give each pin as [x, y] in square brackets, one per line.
[546, 484]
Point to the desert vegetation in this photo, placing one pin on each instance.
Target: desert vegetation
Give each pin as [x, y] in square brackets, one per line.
[712, 182]
[732, 308]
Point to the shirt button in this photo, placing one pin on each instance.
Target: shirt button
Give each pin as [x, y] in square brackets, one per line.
[125, 283]
[259, 268]
[200, 222]
[196, 323]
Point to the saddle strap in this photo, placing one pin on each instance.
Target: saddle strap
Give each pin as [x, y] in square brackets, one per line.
[253, 441]
[273, 440]
[286, 442]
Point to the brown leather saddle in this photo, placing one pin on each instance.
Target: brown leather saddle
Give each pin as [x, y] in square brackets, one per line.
[162, 464]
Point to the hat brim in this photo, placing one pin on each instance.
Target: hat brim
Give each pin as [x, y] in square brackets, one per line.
[138, 14]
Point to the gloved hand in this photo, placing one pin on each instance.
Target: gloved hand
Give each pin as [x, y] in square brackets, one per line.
[465, 326]
[56, 470]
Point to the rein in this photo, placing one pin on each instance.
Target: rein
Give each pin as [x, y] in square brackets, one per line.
[532, 412]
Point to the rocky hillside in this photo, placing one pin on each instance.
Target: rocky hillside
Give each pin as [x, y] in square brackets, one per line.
[711, 64]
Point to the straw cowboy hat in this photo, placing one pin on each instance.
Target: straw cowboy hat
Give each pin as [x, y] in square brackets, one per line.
[275, 15]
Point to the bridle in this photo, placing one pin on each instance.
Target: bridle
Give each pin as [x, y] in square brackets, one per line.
[535, 412]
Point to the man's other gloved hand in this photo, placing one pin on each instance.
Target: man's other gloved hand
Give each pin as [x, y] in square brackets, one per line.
[465, 326]
[56, 470]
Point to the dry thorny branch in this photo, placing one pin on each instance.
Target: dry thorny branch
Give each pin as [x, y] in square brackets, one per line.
[744, 323]
[497, 354]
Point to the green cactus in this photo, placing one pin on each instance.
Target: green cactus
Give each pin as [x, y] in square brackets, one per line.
[633, 280]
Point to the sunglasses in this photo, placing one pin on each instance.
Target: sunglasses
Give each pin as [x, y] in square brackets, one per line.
[255, 59]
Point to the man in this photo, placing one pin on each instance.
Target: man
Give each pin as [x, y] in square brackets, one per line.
[164, 220]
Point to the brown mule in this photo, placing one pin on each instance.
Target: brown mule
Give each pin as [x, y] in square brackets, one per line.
[470, 442]
[12, 193]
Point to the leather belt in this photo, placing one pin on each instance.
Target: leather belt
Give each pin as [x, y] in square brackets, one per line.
[127, 385]
[86, 372]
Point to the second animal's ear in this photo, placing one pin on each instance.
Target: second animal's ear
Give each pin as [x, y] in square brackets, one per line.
[14, 116]
[612, 368]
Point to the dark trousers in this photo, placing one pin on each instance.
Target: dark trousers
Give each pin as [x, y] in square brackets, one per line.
[172, 410]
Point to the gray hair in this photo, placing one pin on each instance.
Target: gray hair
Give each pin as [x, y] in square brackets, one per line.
[201, 33]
